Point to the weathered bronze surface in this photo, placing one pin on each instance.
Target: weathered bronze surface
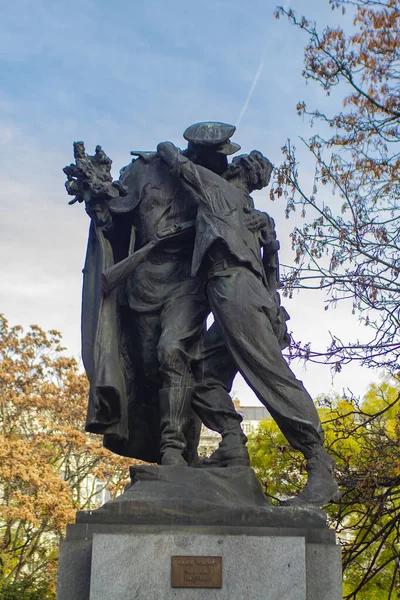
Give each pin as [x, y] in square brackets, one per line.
[176, 238]
[196, 571]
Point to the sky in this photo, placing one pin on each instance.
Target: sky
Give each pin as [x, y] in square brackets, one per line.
[127, 75]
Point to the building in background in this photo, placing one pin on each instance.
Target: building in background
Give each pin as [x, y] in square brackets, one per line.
[252, 415]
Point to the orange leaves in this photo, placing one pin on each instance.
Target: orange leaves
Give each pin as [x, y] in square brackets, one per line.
[49, 467]
[354, 253]
[367, 59]
[32, 487]
[301, 106]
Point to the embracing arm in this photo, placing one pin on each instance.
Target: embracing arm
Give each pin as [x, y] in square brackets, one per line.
[182, 167]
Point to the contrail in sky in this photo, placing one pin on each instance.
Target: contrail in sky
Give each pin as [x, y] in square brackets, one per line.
[251, 90]
[256, 78]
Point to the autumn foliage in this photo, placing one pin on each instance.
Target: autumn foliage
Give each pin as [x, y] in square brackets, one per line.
[364, 439]
[49, 467]
[349, 245]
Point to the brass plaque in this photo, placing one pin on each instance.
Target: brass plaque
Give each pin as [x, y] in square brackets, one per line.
[196, 571]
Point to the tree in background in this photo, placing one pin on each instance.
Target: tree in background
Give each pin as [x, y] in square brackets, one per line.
[349, 244]
[364, 439]
[49, 467]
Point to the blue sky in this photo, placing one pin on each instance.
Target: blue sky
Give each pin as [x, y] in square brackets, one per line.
[127, 75]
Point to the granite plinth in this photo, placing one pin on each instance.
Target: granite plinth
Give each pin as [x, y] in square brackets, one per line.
[139, 567]
[124, 549]
[324, 572]
[74, 568]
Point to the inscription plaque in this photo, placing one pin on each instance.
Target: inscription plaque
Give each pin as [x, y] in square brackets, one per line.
[196, 571]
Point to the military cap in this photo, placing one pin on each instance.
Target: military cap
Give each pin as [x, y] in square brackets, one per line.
[214, 134]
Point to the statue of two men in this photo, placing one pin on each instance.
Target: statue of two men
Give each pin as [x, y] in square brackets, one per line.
[178, 237]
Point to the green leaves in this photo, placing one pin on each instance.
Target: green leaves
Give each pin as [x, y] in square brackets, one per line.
[364, 439]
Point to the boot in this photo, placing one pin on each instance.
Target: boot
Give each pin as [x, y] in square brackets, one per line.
[172, 457]
[175, 405]
[321, 487]
[192, 433]
[231, 452]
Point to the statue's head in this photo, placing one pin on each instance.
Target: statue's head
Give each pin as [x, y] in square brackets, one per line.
[250, 171]
[209, 145]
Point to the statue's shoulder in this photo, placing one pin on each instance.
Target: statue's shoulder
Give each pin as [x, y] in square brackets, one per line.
[133, 176]
[146, 156]
[143, 158]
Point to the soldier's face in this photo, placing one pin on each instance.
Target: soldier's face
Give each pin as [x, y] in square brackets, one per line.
[214, 161]
[237, 175]
[98, 212]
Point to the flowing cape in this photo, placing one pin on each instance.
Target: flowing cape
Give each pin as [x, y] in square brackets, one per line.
[117, 407]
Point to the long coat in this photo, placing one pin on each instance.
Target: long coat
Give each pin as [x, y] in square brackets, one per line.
[115, 406]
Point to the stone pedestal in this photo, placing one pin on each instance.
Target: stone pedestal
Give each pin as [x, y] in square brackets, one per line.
[124, 550]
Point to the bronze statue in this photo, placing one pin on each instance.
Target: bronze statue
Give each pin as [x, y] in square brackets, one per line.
[175, 238]
[249, 319]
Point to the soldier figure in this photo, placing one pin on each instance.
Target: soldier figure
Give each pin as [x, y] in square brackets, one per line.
[176, 236]
[249, 320]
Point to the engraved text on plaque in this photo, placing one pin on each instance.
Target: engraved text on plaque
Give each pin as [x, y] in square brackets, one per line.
[196, 571]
